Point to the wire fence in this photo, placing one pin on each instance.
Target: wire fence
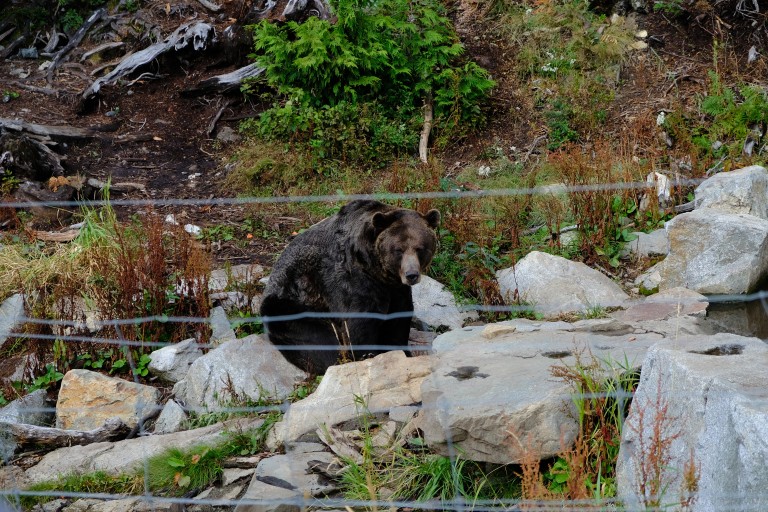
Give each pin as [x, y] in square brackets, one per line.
[14, 493]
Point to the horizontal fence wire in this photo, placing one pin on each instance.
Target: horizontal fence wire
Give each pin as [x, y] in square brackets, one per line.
[13, 495]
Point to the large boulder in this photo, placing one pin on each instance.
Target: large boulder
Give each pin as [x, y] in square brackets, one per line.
[553, 285]
[88, 399]
[713, 252]
[251, 367]
[740, 191]
[491, 396]
[701, 403]
[436, 306]
[348, 390]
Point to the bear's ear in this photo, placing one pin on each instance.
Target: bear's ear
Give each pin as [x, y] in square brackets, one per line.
[433, 218]
[382, 221]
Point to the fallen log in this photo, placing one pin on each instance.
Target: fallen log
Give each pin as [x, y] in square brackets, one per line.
[8, 50]
[60, 133]
[28, 158]
[32, 435]
[224, 83]
[198, 34]
[74, 41]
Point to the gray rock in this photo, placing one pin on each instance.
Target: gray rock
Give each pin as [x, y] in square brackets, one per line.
[252, 365]
[655, 243]
[740, 191]
[282, 482]
[136, 504]
[385, 381]
[263, 497]
[32, 409]
[434, 305]
[707, 396]
[555, 285]
[492, 398]
[171, 418]
[227, 134]
[11, 313]
[127, 455]
[232, 475]
[712, 252]
[664, 305]
[650, 279]
[221, 329]
[172, 363]
[87, 399]
[233, 278]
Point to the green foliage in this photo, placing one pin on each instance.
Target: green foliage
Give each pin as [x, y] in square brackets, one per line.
[71, 20]
[557, 476]
[602, 391]
[50, 378]
[96, 482]
[365, 77]
[559, 124]
[175, 471]
[733, 113]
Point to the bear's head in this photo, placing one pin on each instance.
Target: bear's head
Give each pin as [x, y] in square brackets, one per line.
[405, 243]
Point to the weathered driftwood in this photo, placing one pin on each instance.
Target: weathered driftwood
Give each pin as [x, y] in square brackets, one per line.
[224, 83]
[302, 9]
[52, 44]
[120, 188]
[28, 435]
[425, 131]
[32, 88]
[61, 133]
[74, 41]
[30, 158]
[212, 124]
[197, 34]
[213, 7]
[8, 50]
[8, 32]
[106, 46]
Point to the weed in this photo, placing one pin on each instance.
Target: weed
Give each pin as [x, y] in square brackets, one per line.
[96, 482]
[602, 391]
[50, 378]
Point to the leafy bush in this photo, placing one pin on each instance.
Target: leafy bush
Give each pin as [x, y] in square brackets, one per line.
[375, 66]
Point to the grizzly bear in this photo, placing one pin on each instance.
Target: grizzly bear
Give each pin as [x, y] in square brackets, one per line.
[354, 270]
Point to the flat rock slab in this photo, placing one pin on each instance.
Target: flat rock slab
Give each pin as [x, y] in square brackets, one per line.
[87, 399]
[664, 305]
[553, 285]
[127, 455]
[710, 397]
[492, 398]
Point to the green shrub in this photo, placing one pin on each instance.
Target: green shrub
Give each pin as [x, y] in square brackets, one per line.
[358, 85]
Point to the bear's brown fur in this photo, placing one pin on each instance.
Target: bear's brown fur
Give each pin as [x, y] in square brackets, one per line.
[345, 284]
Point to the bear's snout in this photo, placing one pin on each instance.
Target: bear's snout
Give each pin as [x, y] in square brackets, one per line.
[410, 268]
